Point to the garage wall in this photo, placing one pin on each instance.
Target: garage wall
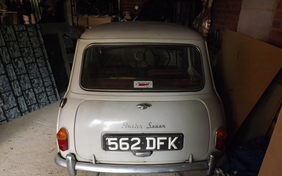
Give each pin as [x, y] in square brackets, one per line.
[256, 18]
[225, 15]
[26, 79]
[275, 34]
[259, 19]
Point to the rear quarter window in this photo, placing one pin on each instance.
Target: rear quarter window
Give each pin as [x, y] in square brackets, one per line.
[142, 68]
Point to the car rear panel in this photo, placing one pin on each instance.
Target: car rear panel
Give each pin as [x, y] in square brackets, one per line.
[163, 120]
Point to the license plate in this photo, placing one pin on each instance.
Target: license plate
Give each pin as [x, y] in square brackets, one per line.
[129, 142]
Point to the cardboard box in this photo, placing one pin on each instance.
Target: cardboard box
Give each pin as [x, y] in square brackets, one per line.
[245, 69]
[273, 158]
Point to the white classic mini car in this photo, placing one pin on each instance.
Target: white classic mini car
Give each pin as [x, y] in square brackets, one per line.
[141, 99]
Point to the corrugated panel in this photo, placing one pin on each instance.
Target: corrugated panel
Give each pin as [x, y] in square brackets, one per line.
[26, 79]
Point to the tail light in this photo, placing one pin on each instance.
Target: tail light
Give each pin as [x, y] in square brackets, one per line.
[221, 136]
[62, 137]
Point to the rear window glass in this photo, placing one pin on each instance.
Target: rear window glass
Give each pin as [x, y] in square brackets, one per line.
[142, 68]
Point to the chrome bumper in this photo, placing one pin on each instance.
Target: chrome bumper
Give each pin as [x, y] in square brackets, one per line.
[72, 166]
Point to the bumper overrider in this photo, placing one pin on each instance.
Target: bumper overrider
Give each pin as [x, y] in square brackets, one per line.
[73, 165]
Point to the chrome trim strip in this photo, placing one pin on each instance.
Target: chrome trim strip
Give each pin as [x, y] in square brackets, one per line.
[136, 169]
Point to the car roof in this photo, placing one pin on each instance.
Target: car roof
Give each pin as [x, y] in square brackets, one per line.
[141, 30]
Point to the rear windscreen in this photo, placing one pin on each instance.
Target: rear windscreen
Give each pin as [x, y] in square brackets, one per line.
[142, 68]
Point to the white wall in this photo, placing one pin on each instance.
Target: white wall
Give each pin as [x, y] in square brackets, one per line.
[256, 18]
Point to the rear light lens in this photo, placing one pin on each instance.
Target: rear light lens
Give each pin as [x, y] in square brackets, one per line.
[221, 136]
[62, 137]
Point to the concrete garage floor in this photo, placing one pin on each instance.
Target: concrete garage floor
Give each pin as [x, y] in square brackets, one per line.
[28, 147]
